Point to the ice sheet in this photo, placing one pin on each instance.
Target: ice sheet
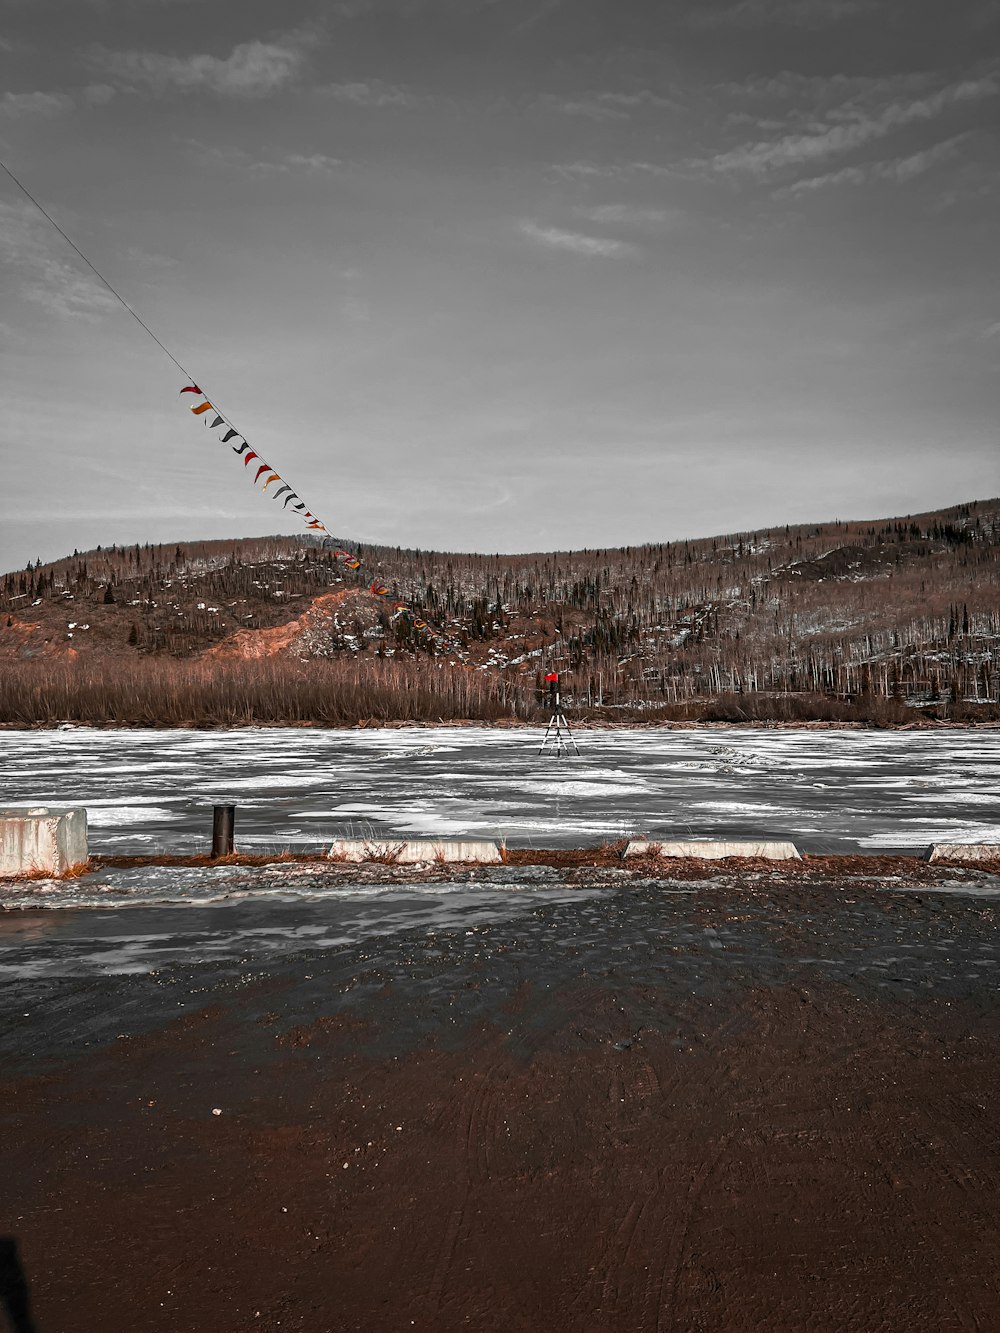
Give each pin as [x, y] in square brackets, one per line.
[829, 791]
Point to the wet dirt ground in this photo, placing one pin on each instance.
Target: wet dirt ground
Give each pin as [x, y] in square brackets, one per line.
[758, 1100]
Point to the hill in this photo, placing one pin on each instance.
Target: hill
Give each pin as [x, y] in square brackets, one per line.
[869, 619]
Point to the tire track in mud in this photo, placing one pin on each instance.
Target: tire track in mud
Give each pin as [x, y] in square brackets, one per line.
[854, 1132]
[644, 1244]
[748, 1172]
[635, 1281]
[474, 1130]
[944, 1138]
[673, 1266]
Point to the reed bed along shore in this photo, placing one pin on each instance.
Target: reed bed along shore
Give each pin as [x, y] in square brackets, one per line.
[162, 692]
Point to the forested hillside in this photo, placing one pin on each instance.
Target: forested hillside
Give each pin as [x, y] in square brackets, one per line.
[833, 617]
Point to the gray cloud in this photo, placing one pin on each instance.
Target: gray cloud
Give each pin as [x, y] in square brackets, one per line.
[307, 162]
[48, 277]
[608, 105]
[590, 109]
[555, 238]
[972, 185]
[821, 91]
[583, 169]
[645, 97]
[538, 15]
[215, 156]
[15, 105]
[789, 13]
[629, 215]
[848, 127]
[252, 69]
[897, 170]
[372, 93]
[150, 262]
[98, 94]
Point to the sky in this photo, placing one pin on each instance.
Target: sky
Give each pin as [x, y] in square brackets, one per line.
[497, 275]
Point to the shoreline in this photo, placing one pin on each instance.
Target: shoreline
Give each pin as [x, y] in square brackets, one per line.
[511, 724]
[576, 867]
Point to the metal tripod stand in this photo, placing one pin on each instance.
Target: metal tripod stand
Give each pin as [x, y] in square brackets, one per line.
[557, 733]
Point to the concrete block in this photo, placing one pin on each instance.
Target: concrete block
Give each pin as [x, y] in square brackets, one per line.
[969, 852]
[409, 852]
[40, 841]
[708, 850]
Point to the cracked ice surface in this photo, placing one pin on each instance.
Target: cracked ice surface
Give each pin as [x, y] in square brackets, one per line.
[828, 791]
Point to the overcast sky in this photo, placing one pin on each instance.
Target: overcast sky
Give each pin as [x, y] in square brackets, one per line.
[498, 274]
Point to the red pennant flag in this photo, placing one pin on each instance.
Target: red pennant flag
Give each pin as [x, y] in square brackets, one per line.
[265, 467]
[191, 388]
[252, 454]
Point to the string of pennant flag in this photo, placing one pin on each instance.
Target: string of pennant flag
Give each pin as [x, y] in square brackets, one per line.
[242, 449]
[248, 455]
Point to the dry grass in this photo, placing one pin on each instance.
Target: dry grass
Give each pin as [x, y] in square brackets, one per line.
[565, 858]
[914, 869]
[165, 692]
[30, 876]
[205, 859]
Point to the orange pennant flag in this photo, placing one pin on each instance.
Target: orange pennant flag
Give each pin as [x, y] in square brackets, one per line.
[202, 407]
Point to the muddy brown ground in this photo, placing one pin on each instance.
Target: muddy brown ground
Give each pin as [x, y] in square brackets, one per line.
[766, 1103]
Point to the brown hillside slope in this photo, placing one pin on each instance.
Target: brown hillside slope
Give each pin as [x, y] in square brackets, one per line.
[903, 608]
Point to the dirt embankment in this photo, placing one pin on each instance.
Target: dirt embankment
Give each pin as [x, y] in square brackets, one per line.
[326, 616]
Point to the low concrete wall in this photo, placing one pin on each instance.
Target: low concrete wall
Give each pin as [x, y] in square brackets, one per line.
[969, 851]
[716, 851]
[412, 851]
[38, 840]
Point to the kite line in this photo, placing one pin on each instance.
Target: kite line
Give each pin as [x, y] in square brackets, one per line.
[220, 418]
[243, 449]
[73, 246]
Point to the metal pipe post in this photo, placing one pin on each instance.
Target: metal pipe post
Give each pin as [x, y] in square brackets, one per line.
[223, 821]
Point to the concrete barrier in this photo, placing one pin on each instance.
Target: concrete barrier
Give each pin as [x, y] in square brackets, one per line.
[40, 841]
[970, 852]
[406, 852]
[716, 850]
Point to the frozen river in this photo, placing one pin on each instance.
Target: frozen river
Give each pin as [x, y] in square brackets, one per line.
[829, 791]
